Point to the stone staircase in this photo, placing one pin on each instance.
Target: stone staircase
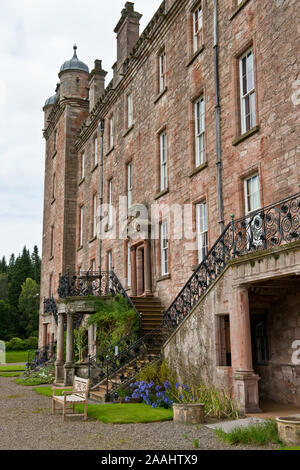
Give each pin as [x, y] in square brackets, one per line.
[123, 369]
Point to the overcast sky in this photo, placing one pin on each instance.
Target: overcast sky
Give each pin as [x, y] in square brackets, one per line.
[36, 37]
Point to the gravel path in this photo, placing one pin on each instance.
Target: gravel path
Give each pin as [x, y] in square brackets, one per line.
[26, 423]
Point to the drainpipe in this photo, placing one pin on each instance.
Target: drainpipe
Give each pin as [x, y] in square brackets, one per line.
[101, 132]
[218, 119]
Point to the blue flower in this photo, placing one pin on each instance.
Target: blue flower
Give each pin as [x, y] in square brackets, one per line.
[127, 399]
[177, 385]
[154, 405]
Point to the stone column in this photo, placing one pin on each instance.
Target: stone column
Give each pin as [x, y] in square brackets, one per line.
[91, 340]
[147, 267]
[133, 271]
[59, 364]
[139, 271]
[245, 380]
[69, 369]
[44, 335]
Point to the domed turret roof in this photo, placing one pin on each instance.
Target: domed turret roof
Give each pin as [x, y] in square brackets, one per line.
[74, 64]
[51, 100]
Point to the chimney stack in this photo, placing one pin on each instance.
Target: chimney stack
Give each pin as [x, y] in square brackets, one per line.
[128, 33]
[97, 83]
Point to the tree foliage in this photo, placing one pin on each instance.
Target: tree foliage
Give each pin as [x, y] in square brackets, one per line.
[19, 319]
[115, 319]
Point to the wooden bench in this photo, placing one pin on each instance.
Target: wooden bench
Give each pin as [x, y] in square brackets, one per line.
[78, 395]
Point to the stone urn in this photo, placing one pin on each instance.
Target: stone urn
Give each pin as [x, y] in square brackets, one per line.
[289, 430]
[188, 413]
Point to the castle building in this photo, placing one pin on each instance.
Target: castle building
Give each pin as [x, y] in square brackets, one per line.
[181, 176]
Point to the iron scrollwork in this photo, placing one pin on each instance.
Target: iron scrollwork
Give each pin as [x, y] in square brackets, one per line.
[263, 229]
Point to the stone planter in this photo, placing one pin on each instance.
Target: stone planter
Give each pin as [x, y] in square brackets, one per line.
[289, 430]
[188, 413]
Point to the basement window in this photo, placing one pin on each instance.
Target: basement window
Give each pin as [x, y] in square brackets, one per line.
[223, 346]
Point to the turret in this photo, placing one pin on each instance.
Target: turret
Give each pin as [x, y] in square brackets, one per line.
[74, 78]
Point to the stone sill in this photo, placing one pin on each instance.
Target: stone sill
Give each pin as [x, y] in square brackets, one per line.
[245, 136]
[95, 168]
[82, 181]
[93, 239]
[160, 95]
[161, 194]
[238, 8]
[163, 278]
[128, 130]
[195, 55]
[54, 155]
[110, 151]
[198, 169]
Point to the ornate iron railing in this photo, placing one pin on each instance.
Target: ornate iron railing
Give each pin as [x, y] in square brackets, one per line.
[51, 307]
[98, 284]
[98, 361]
[116, 373]
[265, 228]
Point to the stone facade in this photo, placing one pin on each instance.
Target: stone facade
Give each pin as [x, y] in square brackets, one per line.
[132, 130]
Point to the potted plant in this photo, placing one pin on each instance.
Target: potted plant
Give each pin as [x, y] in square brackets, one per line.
[186, 407]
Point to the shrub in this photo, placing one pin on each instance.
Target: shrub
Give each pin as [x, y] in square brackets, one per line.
[15, 344]
[45, 375]
[31, 343]
[157, 372]
[154, 395]
[115, 319]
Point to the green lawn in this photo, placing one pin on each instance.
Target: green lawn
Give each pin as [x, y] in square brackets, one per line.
[291, 448]
[119, 413]
[16, 356]
[12, 368]
[11, 374]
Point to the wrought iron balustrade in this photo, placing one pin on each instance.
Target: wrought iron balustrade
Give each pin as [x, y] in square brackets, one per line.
[269, 227]
[115, 368]
[51, 307]
[98, 284]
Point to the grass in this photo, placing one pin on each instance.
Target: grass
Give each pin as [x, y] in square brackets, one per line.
[16, 356]
[120, 413]
[260, 434]
[11, 374]
[12, 368]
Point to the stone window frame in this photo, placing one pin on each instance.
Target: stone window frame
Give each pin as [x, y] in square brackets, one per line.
[54, 187]
[95, 150]
[129, 125]
[94, 216]
[242, 176]
[111, 135]
[52, 228]
[203, 197]
[92, 262]
[165, 220]
[129, 163]
[159, 90]
[55, 140]
[237, 56]
[192, 53]
[80, 226]
[82, 166]
[192, 134]
[110, 201]
[163, 164]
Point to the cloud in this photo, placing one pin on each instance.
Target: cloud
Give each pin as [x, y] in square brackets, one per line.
[36, 37]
